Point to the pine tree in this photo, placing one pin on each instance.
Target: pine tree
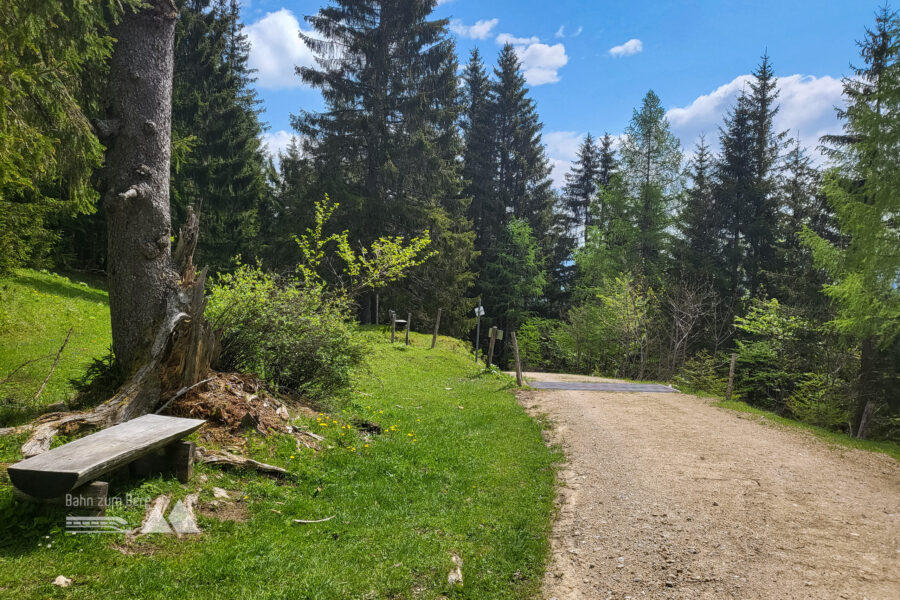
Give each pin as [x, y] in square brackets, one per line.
[486, 212]
[523, 172]
[698, 250]
[651, 161]
[215, 114]
[864, 191]
[582, 184]
[761, 225]
[386, 147]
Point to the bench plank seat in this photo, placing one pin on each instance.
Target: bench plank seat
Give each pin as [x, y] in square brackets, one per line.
[60, 470]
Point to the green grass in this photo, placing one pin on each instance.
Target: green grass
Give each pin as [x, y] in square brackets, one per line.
[832, 437]
[459, 468]
[36, 311]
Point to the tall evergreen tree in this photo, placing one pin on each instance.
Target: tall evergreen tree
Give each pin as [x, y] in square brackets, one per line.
[215, 116]
[386, 146]
[479, 159]
[864, 191]
[698, 250]
[651, 161]
[582, 184]
[523, 172]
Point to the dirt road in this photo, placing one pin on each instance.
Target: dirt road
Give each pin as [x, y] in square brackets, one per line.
[665, 496]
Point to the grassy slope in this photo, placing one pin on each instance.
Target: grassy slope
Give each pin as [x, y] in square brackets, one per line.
[474, 477]
[36, 311]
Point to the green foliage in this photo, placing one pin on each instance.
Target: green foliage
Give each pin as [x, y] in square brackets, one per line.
[294, 335]
[219, 164]
[544, 345]
[387, 260]
[702, 374]
[820, 400]
[516, 274]
[53, 61]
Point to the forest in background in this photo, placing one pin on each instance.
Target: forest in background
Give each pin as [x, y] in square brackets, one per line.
[654, 262]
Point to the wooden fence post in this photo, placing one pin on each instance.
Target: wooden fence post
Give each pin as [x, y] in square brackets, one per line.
[408, 321]
[437, 323]
[490, 356]
[393, 325]
[730, 377]
[515, 344]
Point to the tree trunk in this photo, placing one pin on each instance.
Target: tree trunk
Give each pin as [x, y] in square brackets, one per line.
[142, 281]
[865, 387]
[160, 337]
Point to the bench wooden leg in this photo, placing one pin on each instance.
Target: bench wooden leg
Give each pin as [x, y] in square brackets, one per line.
[89, 499]
[180, 460]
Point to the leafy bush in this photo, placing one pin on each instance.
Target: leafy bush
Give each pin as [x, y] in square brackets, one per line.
[294, 335]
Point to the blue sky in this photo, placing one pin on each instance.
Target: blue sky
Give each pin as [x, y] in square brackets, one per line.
[589, 63]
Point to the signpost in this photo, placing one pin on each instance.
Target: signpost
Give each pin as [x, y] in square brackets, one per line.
[479, 312]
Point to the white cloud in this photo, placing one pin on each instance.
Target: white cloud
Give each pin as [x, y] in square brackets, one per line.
[276, 48]
[561, 32]
[562, 144]
[577, 32]
[507, 38]
[541, 63]
[806, 109]
[276, 141]
[632, 46]
[481, 30]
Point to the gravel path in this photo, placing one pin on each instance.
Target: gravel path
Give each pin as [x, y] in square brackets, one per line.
[665, 496]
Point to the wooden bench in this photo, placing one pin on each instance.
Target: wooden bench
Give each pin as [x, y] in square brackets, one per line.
[54, 474]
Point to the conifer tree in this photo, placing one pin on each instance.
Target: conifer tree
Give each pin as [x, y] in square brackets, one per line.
[651, 162]
[582, 184]
[864, 191]
[485, 210]
[386, 146]
[698, 250]
[523, 172]
[215, 116]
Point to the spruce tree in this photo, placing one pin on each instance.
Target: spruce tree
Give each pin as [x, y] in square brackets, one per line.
[386, 146]
[864, 191]
[479, 158]
[651, 162]
[523, 172]
[215, 116]
[582, 184]
[698, 250]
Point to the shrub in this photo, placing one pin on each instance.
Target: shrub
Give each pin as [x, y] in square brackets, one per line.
[822, 401]
[544, 345]
[294, 335]
[702, 374]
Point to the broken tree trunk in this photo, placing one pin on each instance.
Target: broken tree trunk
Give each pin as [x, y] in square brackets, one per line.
[156, 296]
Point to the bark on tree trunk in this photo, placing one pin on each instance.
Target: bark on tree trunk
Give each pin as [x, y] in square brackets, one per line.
[156, 297]
[865, 387]
[141, 278]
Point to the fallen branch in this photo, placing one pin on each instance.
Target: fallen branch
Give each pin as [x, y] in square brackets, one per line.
[55, 362]
[214, 457]
[181, 393]
[22, 366]
[304, 521]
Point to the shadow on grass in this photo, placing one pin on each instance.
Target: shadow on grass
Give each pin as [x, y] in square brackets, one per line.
[61, 288]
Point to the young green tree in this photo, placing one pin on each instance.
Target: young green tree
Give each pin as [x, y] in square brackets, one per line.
[651, 164]
[864, 191]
